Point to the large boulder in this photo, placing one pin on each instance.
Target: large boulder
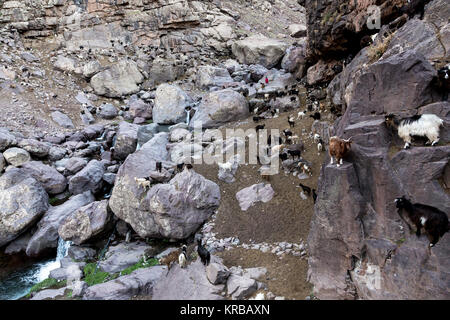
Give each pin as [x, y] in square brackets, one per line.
[210, 76]
[49, 177]
[46, 235]
[138, 108]
[122, 78]
[122, 256]
[261, 192]
[36, 148]
[294, 61]
[220, 107]
[172, 210]
[139, 282]
[23, 201]
[89, 178]
[86, 223]
[183, 283]
[7, 139]
[170, 104]
[259, 50]
[62, 120]
[16, 156]
[126, 140]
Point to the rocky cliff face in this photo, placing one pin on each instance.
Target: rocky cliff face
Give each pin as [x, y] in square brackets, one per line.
[359, 247]
[336, 27]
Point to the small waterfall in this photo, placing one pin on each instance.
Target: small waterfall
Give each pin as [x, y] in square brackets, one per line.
[188, 115]
[18, 284]
[61, 252]
[63, 248]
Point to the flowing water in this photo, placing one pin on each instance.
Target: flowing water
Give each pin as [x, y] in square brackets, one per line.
[18, 283]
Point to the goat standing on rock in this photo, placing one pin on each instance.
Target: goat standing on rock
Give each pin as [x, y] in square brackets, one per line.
[434, 221]
[203, 253]
[339, 148]
[425, 125]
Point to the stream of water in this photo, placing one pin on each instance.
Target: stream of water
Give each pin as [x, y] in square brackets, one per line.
[19, 282]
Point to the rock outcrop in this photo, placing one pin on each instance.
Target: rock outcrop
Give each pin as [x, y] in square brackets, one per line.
[358, 245]
[220, 107]
[23, 201]
[46, 235]
[86, 223]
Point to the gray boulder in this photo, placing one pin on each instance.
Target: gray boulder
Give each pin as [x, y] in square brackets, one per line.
[85, 223]
[89, 178]
[52, 181]
[126, 140]
[247, 197]
[217, 273]
[294, 61]
[170, 103]
[107, 111]
[146, 132]
[79, 253]
[46, 235]
[49, 294]
[138, 108]
[183, 284]
[7, 139]
[259, 50]
[220, 107]
[23, 201]
[122, 256]
[164, 210]
[210, 76]
[16, 156]
[62, 120]
[139, 282]
[36, 148]
[74, 165]
[122, 78]
[240, 287]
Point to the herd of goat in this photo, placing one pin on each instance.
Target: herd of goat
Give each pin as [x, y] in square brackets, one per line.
[434, 221]
[425, 126]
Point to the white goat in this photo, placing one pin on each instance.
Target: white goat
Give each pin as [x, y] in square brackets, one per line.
[142, 182]
[425, 125]
[301, 115]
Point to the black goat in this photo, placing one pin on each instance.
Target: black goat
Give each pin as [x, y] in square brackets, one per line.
[314, 194]
[283, 156]
[256, 118]
[443, 81]
[306, 189]
[203, 253]
[315, 116]
[291, 121]
[295, 153]
[260, 127]
[434, 221]
[287, 133]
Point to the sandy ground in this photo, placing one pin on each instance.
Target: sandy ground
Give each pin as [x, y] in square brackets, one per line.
[286, 217]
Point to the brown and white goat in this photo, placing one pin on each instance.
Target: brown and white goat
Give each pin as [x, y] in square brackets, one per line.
[338, 149]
